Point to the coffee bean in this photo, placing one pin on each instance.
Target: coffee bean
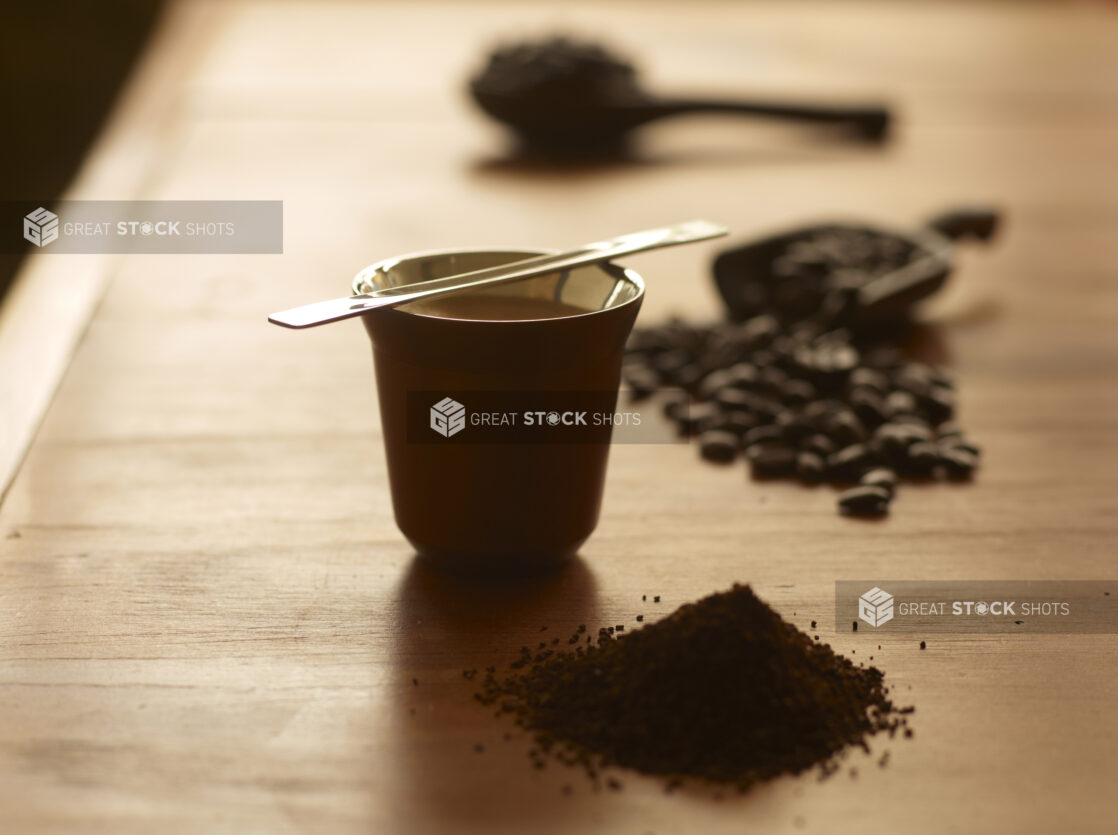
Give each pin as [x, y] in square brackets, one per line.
[759, 330]
[821, 411]
[967, 446]
[885, 358]
[938, 404]
[881, 477]
[837, 358]
[735, 399]
[850, 462]
[845, 428]
[949, 429]
[921, 425]
[784, 347]
[914, 378]
[769, 459]
[810, 466]
[871, 379]
[793, 425]
[694, 416]
[922, 458]
[958, 462]
[762, 359]
[942, 376]
[864, 501]
[764, 407]
[868, 405]
[736, 422]
[713, 383]
[900, 403]
[689, 377]
[896, 438]
[675, 404]
[669, 364]
[720, 447]
[772, 379]
[820, 444]
[763, 434]
[744, 375]
[643, 381]
[797, 392]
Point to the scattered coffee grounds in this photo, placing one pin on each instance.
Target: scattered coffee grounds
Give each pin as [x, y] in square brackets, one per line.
[923, 645]
[721, 690]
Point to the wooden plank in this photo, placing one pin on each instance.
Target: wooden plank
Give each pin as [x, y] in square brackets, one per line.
[50, 303]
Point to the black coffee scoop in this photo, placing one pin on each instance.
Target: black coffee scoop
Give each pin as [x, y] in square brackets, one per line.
[857, 276]
[565, 96]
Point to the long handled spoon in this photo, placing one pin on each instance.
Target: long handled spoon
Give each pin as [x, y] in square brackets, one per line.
[334, 310]
[568, 96]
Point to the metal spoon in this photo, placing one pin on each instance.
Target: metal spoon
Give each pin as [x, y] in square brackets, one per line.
[334, 310]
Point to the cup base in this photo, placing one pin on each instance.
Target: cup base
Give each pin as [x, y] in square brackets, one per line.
[495, 566]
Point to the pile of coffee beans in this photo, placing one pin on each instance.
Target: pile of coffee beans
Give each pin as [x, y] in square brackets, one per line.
[819, 272]
[799, 400]
[555, 71]
[723, 690]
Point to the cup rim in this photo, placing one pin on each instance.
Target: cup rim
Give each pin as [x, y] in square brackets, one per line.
[385, 264]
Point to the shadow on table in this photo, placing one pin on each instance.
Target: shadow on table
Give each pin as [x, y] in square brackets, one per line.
[456, 765]
[752, 150]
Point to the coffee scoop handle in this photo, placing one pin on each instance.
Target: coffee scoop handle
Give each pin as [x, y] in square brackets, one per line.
[334, 310]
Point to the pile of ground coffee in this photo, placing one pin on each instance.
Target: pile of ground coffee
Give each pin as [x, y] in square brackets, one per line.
[722, 689]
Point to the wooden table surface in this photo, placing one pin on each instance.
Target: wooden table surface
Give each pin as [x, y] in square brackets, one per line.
[208, 621]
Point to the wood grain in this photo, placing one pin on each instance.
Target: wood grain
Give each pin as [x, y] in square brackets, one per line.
[208, 621]
[47, 309]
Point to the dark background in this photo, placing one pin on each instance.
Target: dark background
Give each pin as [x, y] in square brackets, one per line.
[62, 64]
